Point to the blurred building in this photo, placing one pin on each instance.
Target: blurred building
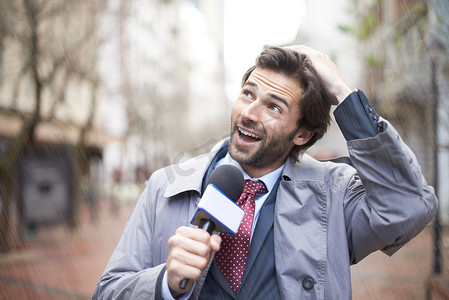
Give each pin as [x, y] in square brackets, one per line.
[406, 65]
[45, 181]
[323, 33]
[162, 69]
[49, 128]
[396, 51]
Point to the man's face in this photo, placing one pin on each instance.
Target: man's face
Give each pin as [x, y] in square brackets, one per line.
[264, 121]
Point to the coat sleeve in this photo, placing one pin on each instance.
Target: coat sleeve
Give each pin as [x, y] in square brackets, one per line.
[131, 272]
[388, 201]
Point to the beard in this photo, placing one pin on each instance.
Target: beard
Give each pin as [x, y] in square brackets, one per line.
[265, 152]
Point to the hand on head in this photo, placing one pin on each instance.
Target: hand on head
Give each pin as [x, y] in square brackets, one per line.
[333, 81]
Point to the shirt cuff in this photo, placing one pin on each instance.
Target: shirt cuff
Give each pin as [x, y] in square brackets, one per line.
[356, 117]
[166, 294]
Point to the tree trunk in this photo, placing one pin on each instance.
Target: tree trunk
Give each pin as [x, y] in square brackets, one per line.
[18, 145]
[5, 218]
[80, 161]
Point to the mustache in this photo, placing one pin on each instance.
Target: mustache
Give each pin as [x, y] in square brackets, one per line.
[250, 125]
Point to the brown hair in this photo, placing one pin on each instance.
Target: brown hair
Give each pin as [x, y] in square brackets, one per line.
[314, 103]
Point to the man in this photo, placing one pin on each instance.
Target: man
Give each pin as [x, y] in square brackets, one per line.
[315, 218]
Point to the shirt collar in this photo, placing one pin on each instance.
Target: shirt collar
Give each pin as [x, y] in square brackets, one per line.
[269, 179]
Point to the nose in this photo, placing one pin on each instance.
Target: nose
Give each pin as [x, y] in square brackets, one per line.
[251, 112]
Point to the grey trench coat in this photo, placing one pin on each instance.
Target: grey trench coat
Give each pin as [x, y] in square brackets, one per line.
[327, 217]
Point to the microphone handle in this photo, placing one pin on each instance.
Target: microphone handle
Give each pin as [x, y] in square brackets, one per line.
[209, 226]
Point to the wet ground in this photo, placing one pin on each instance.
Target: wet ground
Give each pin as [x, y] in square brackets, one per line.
[56, 263]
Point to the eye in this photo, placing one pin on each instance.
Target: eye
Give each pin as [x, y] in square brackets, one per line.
[247, 94]
[274, 108]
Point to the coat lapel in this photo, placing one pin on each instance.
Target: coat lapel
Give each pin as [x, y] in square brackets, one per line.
[218, 277]
[300, 226]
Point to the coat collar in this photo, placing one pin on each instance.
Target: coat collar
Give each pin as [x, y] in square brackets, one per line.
[307, 168]
[189, 175]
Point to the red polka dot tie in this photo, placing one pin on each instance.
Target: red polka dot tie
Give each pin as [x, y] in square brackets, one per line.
[234, 249]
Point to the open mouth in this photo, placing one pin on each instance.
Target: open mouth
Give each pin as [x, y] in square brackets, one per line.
[248, 136]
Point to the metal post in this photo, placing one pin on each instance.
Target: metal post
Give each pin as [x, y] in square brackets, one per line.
[436, 224]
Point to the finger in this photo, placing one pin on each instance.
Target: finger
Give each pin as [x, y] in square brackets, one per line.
[215, 242]
[303, 50]
[189, 245]
[184, 257]
[334, 83]
[196, 234]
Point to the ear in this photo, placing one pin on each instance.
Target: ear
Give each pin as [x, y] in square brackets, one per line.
[302, 136]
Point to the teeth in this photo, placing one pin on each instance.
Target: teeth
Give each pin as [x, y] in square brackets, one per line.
[248, 133]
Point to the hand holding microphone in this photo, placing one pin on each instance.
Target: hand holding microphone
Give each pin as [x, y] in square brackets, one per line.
[190, 251]
[191, 248]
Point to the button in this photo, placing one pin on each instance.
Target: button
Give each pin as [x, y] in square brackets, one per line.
[286, 178]
[308, 283]
[370, 109]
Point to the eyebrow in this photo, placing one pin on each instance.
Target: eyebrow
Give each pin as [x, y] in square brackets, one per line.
[274, 96]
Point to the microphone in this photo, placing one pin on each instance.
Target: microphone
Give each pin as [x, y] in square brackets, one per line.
[217, 209]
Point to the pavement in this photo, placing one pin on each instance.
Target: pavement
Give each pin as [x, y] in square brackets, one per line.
[405, 275]
[59, 263]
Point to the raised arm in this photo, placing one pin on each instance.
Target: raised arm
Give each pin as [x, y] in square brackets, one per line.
[389, 201]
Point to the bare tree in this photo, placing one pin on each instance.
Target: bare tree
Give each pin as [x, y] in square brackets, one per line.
[58, 45]
[153, 78]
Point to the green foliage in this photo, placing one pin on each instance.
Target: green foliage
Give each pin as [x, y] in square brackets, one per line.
[373, 61]
[363, 29]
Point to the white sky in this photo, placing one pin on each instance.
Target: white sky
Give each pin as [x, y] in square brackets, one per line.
[251, 24]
